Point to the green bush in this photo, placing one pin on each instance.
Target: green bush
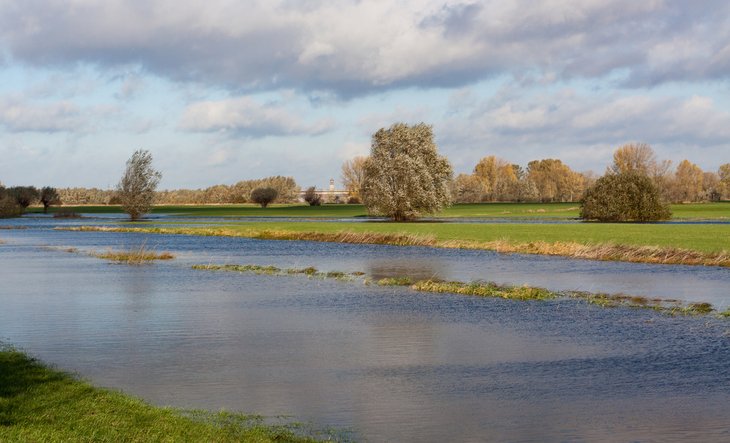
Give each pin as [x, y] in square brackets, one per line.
[264, 196]
[624, 197]
[9, 207]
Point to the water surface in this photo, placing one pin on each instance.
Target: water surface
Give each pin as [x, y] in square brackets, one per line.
[389, 364]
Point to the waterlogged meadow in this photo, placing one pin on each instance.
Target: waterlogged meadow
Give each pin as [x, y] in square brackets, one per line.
[379, 342]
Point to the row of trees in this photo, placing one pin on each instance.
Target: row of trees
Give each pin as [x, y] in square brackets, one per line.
[686, 183]
[550, 180]
[286, 188]
[14, 200]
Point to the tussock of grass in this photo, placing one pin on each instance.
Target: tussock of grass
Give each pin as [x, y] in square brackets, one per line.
[395, 281]
[41, 404]
[486, 289]
[134, 256]
[600, 251]
[273, 270]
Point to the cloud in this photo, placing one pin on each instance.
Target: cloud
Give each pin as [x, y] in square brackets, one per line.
[244, 116]
[354, 48]
[17, 115]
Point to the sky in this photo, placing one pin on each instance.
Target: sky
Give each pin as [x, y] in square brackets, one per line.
[222, 90]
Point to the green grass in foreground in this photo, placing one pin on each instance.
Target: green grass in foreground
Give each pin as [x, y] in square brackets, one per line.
[696, 211]
[40, 404]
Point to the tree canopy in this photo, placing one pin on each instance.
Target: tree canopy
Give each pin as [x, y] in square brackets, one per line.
[624, 197]
[404, 175]
[136, 189]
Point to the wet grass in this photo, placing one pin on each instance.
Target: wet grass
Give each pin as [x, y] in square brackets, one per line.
[41, 404]
[136, 256]
[273, 270]
[487, 289]
[706, 245]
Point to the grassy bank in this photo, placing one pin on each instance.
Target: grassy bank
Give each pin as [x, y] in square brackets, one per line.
[697, 211]
[38, 403]
[664, 244]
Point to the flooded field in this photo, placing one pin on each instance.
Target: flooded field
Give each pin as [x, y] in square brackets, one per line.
[385, 363]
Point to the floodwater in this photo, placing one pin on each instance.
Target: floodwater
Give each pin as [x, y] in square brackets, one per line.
[386, 364]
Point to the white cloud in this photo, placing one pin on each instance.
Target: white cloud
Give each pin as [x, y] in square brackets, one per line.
[17, 115]
[246, 117]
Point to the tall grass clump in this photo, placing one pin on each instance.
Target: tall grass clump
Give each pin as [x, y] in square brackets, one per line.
[136, 256]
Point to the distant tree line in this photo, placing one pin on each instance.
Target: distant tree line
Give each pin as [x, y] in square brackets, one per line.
[286, 188]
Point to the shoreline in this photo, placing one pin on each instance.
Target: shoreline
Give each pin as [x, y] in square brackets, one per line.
[41, 403]
[607, 251]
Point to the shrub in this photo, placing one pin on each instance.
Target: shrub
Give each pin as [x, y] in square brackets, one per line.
[9, 207]
[311, 196]
[264, 196]
[624, 197]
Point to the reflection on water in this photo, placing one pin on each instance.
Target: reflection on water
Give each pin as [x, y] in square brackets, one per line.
[415, 268]
[388, 363]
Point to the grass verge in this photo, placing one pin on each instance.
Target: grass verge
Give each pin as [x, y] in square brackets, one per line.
[38, 403]
[486, 289]
[577, 241]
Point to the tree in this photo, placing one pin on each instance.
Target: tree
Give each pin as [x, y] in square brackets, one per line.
[353, 173]
[49, 196]
[723, 173]
[311, 196]
[555, 181]
[263, 196]
[24, 195]
[687, 183]
[498, 177]
[404, 176]
[466, 188]
[136, 189]
[636, 158]
[624, 197]
[8, 206]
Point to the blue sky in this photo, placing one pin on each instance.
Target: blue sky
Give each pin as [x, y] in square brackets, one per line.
[222, 91]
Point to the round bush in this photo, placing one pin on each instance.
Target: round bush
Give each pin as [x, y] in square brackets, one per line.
[264, 196]
[624, 197]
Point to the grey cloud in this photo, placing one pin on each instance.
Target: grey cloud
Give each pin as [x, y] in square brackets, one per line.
[354, 48]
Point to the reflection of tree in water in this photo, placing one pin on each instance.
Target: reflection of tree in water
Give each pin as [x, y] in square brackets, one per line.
[415, 269]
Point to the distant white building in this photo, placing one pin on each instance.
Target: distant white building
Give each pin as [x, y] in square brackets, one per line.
[329, 195]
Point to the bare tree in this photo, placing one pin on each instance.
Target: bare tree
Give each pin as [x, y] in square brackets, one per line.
[49, 196]
[136, 189]
[404, 176]
[353, 174]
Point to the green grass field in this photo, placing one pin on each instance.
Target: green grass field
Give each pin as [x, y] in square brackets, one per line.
[39, 404]
[705, 238]
[696, 211]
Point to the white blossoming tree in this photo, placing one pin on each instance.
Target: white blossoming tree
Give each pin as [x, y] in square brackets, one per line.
[404, 175]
